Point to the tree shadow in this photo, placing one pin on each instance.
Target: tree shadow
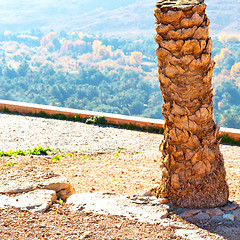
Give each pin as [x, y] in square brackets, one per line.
[227, 229]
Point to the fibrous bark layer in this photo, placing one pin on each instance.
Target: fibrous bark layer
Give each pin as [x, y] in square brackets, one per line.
[193, 173]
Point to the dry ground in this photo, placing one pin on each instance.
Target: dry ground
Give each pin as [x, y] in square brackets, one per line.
[122, 171]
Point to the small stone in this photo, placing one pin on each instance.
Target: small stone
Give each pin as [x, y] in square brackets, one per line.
[118, 226]
[163, 200]
[143, 198]
[190, 213]
[85, 235]
[66, 193]
[228, 217]
[152, 198]
[133, 197]
[155, 203]
[230, 206]
[163, 214]
[214, 211]
[147, 194]
[202, 216]
[139, 201]
[236, 213]
[159, 201]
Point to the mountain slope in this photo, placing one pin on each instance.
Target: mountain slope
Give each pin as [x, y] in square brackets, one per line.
[125, 17]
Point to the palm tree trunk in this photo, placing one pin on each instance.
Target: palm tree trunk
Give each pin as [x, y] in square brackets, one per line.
[192, 166]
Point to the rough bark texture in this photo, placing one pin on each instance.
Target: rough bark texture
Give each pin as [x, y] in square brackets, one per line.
[193, 173]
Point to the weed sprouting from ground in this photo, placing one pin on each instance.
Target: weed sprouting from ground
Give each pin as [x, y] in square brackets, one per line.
[10, 164]
[97, 120]
[35, 151]
[39, 151]
[56, 159]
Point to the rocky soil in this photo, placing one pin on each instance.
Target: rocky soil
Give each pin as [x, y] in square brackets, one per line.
[102, 159]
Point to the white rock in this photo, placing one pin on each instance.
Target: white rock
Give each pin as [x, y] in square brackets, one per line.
[35, 201]
[36, 179]
[228, 217]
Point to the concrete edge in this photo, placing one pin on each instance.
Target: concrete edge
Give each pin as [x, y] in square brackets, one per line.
[117, 119]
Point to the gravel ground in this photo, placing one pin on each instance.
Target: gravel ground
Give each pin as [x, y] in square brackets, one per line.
[23, 132]
[133, 169]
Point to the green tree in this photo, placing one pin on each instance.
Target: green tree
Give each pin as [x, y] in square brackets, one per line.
[23, 69]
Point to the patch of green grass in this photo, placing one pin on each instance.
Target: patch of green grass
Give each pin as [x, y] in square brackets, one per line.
[137, 152]
[117, 155]
[56, 159]
[131, 126]
[10, 164]
[122, 149]
[227, 139]
[96, 120]
[5, 110]
[39, 151]
[35, 151]
[115, 180]
[153, 129]
[20, 153]
[9, 153]
[69, 154]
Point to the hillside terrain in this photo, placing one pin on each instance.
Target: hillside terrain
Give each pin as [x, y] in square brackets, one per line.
[126, 17]
[49, 55]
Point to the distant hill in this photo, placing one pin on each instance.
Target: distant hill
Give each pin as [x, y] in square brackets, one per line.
[125, 17]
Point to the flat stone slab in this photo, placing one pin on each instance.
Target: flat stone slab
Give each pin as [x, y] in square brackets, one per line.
[201, 216]
[118, 205]
[230, 206]
[190, 213]
[215, 212]
[229, 217]
[135, 208]
[32, 178]
[34, 201]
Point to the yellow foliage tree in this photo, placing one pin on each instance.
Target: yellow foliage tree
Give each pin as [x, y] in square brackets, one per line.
[136, 58]
[235, 70]
[81, 35]
[100, 51]
[50, 41]
[218, 58]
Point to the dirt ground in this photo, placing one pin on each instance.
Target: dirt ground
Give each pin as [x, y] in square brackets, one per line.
[122, 171]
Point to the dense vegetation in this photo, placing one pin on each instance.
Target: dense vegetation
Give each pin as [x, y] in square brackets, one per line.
[104, 74]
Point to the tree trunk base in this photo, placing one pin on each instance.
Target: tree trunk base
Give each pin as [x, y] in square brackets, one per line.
[207, 190]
